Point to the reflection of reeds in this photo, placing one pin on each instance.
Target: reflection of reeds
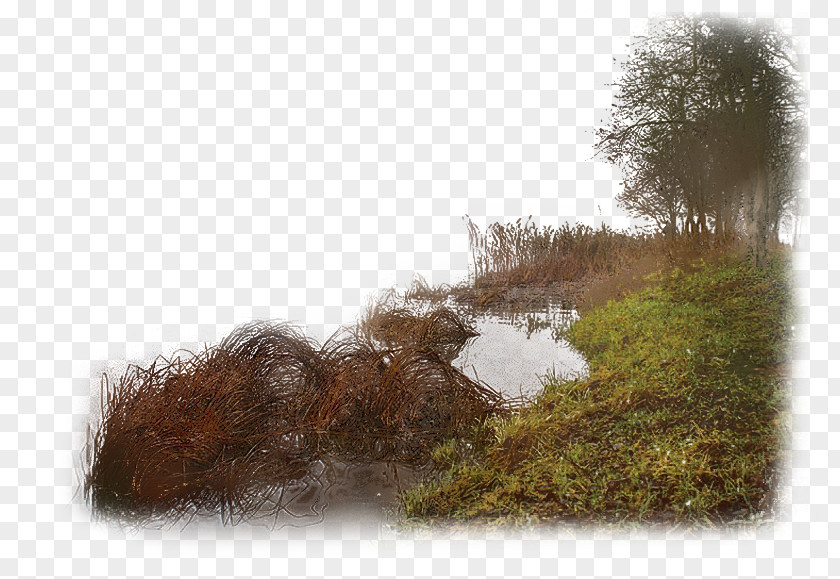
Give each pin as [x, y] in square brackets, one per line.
[228, 428]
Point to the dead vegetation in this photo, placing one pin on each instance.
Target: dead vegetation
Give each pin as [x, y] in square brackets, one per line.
[520, 253]
[225, 430]
[519, 264]
[438, 330]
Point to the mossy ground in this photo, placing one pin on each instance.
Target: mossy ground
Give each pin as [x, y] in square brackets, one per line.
[681, 420]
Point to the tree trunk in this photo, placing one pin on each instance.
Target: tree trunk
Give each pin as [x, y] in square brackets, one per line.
[757, 216]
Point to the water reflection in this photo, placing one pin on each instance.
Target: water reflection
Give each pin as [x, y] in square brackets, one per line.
[517, 347]
[337, 491]
[512, 355]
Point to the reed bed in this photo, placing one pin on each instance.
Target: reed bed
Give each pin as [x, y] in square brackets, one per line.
[227, 429]
[521, 253]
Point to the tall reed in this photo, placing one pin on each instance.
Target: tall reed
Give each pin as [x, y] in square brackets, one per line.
[521, 253]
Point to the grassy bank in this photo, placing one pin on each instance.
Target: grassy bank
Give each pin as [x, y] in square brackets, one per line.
[682, 418]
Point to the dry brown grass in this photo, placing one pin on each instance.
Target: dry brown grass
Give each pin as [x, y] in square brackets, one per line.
[226, 429]
[439, 329]
[394, 404]
[661, 255]
[597, 291]
[588, 266]
[521, 254]
[205, 433]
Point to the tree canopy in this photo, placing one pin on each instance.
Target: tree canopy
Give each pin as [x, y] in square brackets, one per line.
[708, 128]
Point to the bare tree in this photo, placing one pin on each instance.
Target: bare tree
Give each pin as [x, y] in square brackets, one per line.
[707, 128]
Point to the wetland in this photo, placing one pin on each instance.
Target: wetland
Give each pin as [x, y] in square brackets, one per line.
[641, 382]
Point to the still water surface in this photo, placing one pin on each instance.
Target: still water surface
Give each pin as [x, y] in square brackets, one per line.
[514, 352]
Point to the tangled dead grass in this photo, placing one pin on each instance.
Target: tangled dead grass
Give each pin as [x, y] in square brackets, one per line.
[202, 434]
[225, 430]
[439, 330]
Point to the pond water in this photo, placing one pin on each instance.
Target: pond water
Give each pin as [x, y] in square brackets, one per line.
[335, 492]
[517, 349]
[513, 354]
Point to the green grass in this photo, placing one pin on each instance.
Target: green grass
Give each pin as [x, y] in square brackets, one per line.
[681, 420]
